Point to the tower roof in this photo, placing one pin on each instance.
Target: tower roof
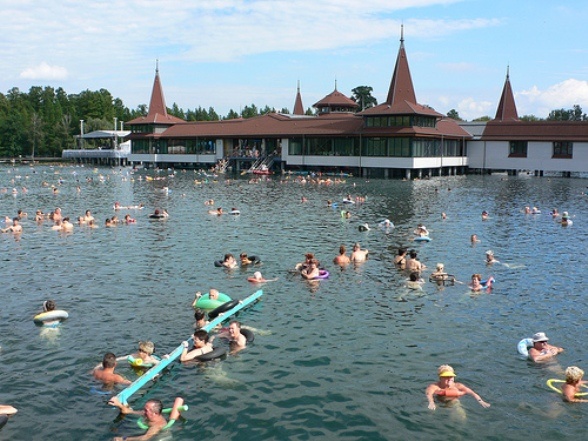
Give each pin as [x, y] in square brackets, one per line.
[507, 109]
[157, 109]
[298, 108]
[401, 98]
[401, 88]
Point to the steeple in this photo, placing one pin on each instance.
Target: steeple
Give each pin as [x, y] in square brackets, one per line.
[401, 88]
[157, 103]
[298, 108]
[507, 109]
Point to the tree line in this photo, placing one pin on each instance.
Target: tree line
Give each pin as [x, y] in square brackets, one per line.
[45, 121]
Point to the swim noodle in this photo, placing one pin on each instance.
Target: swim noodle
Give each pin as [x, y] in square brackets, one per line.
[143, 425]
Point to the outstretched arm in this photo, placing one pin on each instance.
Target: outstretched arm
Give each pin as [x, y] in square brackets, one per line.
[469, 391]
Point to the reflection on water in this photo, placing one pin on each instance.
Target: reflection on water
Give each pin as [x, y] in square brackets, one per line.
[344, 358]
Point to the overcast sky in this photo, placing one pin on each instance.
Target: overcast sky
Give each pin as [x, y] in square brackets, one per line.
[228, 54]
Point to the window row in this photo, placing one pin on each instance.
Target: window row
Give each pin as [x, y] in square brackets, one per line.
[561, 149]
[377, 146]
[400, 121]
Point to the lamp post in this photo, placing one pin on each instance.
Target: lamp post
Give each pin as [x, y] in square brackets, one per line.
[81, 133]
[115, 136]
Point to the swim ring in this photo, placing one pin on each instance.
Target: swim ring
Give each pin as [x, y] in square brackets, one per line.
[212, 355]
[157, 216]
[555, 380]
[143, 425]
[254, 261]
[205, 302]
[218, 263]
[524, 345]
[222, 308]
[248, 333]
[422, 239]
[234, 212]
[323, 274]
[348, 201]
[50, 317]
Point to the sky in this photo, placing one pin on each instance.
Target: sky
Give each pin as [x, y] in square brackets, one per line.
[228, 54]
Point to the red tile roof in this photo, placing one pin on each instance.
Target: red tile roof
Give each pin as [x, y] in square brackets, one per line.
[336, 99]
[507, 109]
[536, 131]
[298, 108]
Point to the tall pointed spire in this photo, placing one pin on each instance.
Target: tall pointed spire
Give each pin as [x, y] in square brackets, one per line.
[298, 108]
[507, 109]
[157, 103]
[401, 88]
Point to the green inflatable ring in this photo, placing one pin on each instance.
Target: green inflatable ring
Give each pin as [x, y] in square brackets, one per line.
[204, 302]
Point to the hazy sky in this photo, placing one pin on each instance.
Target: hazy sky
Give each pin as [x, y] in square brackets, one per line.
[228, 53]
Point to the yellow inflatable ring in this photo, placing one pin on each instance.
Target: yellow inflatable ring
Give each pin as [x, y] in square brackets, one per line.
[555, 380]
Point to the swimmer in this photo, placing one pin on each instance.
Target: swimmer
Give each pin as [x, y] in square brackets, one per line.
[421, 231]
[476, 283]
[342, 259]
[555, 213]
[258, 278]
[105, 372]
[413, 263]
[15, 228]
[200, 317]
[490, 258]
[88, 216]
[565, 219]
[446, 389]
[152, 416]
[202, 345]
[245, 260]
[414, 281]
[484, 215]
[541, 350]
[308, 258]
[439, 274]
[145, 353]
[217, 212]
[573, 385]
[237, 341]
[443, 216]
[400, 258]
[66, 225]
[474, 239]
[312, 271]
[527, 210]
[358, 255]
[129, 219]
[229, 261]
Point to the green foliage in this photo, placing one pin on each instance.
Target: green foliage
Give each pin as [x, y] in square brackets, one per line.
[530, 118]
[362, 95]
[574, 114]
[454, 114]
[482, 118]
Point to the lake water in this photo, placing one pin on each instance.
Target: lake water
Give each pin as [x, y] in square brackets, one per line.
[346, 358]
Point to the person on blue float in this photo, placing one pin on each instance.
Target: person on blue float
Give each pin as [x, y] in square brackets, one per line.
[202, 345]
[145, 353]
[152, 414]
[573, 385]
[541, 350]
[447, 390]
[237, 341]
[421, 231]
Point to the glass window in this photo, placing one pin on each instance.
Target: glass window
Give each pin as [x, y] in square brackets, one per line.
[518, 149]
[563, 149]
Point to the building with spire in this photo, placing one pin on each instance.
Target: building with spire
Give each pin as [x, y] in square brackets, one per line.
[146, 130]
[507, 143]
[397, 138]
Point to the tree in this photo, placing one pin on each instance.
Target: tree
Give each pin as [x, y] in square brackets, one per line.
[530, 118]
[482, 119]
[453, 114]
[574, 114]
[232, 115]
[362, 95]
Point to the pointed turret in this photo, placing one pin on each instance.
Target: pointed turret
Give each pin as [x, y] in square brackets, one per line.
[298, 108]
[335, 102]
[157, 110]
[401, 88]
[507, 109]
